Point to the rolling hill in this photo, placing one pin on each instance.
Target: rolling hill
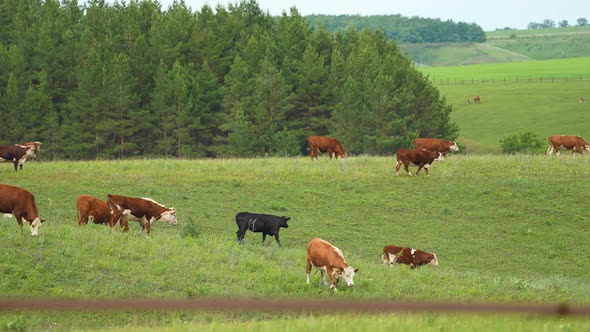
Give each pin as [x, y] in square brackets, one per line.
[505, 46]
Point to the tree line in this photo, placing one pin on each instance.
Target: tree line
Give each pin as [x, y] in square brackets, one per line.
[123, 80]
[403, 29]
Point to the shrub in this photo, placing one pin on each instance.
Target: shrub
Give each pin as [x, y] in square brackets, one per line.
[526, 142]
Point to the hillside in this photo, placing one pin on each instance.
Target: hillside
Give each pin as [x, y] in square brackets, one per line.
[505, 46]
[537, 96]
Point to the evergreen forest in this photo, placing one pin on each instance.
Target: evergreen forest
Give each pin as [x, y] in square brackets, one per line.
[114, 80]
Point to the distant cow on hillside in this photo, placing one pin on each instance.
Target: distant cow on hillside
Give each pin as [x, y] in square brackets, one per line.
[476, 99]
[320, 144]
[266, 224]
[582, 100]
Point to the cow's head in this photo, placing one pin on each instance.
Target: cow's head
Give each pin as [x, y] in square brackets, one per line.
[283, 222]
[169, 216]
[30, 153]
[587, 147]
[392, 258]
[347, 274]
[454, 147]
[35, 226]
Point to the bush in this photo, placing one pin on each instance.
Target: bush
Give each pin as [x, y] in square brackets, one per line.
[526, 142]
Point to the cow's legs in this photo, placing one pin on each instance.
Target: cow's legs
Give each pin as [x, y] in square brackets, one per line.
[124, 224]
[263, 237]
[307, 268]
[148, 227]
[277, 238]
[406, 168]
[398, 165]
[550, 150]
[241, 232]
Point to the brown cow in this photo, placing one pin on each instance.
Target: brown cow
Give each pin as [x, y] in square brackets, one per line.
[329, 259]
[319, 144]
[20, 203]
[436, 144]
[476, 99]
[574, 143]
[145, 210]
[16, 154]
[421, 158]
[582, 100]
[409, 256]
[92, 209]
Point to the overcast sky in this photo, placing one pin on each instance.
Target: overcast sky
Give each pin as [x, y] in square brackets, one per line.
[490, 14]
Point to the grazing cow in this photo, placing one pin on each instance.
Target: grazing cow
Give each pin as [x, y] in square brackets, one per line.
[421, 158]
[574, 143]
[329, 259]
[92, 209]
[408, 256]
[256, 222]
[20, 203]
[16, 154]
[435, 144]
[582, 100]
[320, 144]
[145, 210]
[476, 99]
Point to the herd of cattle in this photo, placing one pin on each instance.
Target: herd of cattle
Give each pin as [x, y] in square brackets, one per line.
[322, 255]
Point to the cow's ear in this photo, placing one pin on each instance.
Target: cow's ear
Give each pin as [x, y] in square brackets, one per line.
[287, 218]
[356, 270]
[42, 219]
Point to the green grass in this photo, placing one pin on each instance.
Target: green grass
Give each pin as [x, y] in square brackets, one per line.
[574, 69]
[508, 229]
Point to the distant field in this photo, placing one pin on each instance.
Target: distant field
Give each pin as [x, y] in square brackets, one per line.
[575, 69]
[537, 96]
[503, 34]
[505, 46]
[500, 234]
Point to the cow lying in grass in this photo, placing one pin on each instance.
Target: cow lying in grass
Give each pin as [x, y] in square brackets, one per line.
[403, 255]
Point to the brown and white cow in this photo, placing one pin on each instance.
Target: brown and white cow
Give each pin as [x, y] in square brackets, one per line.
[408, 256]
[476, 99]
[35, 145]
[16, 154]
[145, 210]
[329, 259]
[436, 144]
[419, 157]
[574, 143]
[20, 203]
[92, 209]
[320, 144]
[582, 100]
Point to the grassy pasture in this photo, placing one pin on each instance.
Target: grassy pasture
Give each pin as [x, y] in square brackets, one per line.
[505, 46]
[508, 229]
[546, 107]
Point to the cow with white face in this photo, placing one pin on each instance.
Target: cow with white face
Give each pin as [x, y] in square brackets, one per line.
[330, 260]
[144, 210]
